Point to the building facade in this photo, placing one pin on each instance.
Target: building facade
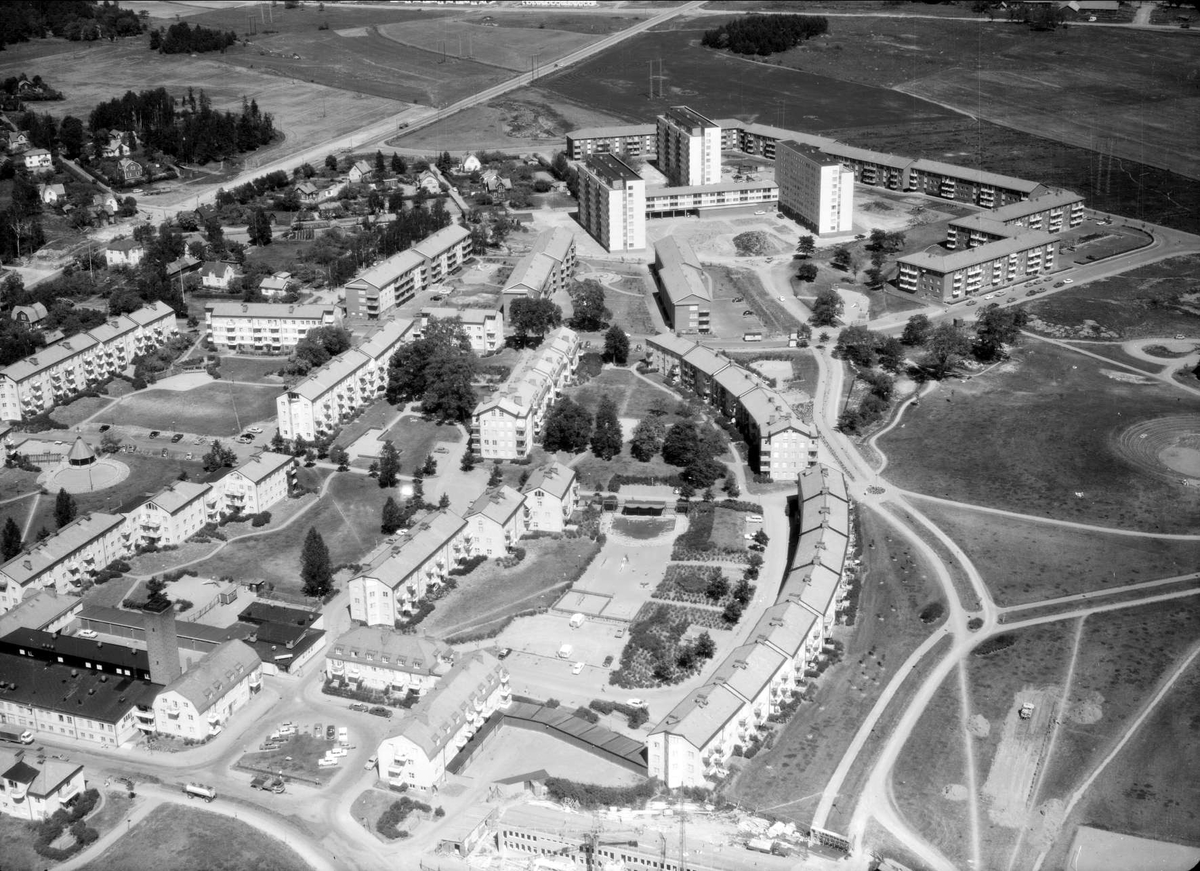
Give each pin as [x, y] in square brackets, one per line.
[689, 147]
[34, 791]
[381, 659]
[612, 203]
[264, 328]
[67, 558]
[815, 189]
[484, 327]
[684, 289]
[199, 702]
[175, 514]
[258, 483]
[551, 494]
[496, 521]
[975, 271]
[635, 140]
[544, 271]
[399, 278]
[124, 252]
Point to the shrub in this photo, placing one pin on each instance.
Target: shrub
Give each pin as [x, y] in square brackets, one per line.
[932, 612]
[262, 518]
[468, 565]
[995, 644]
[592, 795]
[587, 714]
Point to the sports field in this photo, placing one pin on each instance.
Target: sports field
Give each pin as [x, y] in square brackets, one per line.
[216, 409]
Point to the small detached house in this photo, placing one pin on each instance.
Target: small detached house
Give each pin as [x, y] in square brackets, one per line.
[275, 285]
[429, 182]
[29, 315]
[307, 192]
[38, 160]
[360, 172]
[52, 194]
[217, 275]
[471, 163]
[130, 170]
[124, 252]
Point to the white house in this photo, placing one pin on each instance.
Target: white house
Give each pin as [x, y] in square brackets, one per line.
[33, 791]
[544, 271]
[360, 172]
[258, 483]
[275, 285]
[551, 494]
[428, 182]
[124, 252]
[175, 514]
[496, 521]
[199, 702]
[52, 194]
[38, 160]
[379, 658]
[442, 722]
[218, 275]
[471, 163]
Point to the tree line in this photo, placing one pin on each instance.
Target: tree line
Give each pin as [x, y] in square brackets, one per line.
[182, 39]
[764, 34]
[76, 20]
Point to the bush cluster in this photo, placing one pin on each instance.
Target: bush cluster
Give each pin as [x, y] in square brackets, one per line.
[635, 716]
[51, 829]
[593, 795]
[389, 821]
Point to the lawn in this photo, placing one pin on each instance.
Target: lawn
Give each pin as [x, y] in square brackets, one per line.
[347, 518]
[258, 369]
[189, 839]
[1152, 301]
[296, 757]
[896, 586]
[16, 842]
[216, 409]
[630, 306]
[930, 777]
[80, 410]
[416, 438]
[1026, 561]
[486, 600]
[1040, 435]
[1151, 787]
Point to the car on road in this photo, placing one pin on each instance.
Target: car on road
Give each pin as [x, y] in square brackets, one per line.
[105, 427]
[972, 302]
[165, 452]
[1001, 292]
[988, 295]
[177, 438]
[380, 711]
[437, 297]
[330, 733]
[1059, 284]
[85, 633]
[154, 433]
[1068, 281]
[189, 456]
[760, 212]
[441, 450]
[257, 430]
[359, 706]
[504, 652]
[635, 703]
[371, 763]
[1031, 292]
[754, 518]
[620, 632]
[245, 439]
[747, 313]
[1180, 337]
[577, 668]
[738, 299]
[197, 440]
[608, 660]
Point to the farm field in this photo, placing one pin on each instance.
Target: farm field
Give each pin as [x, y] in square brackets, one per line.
[976, 442]
[1152, 301]
[217, 409]
[509, 47]
[896, 586]
[1026, 561]
[187, 839]
[1116, 91]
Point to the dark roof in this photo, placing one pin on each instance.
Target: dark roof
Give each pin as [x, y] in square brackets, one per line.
[267, 651]
[21, 773]
[278, 633]
[184, 629]
[565, 722]
[264, 612]
[611, 168]
[48, 645]
[536, 776]
[77, 692]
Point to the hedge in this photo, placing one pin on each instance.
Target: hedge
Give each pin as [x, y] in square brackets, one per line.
[593, 795]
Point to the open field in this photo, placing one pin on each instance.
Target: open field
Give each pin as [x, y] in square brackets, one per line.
[1118, 90]
[81, 409]
[17, 843]
[508, 47]
[1114, 352]
[635, 398]
[347, 518]
[489, 596]
[188, 839]
[896, 585]
[1152, 787]
[260, 369]
[930, 777]
[630, 306]
[1025, 561]
[92, 72]
[296, 757]
[1152, 301]
[976, 442]
[216, 409]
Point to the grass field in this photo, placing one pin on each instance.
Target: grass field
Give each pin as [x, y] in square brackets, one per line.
[17, 843]
[416, 438]
[81, 409]
[187, 839]
[1023, 561]
[896, 586]
[489, 596]
[216, 409]
[978, 442]
[1151, 787]
[1152, 301]
[259, 369]
[1114, 352]
[297, 756]
[508, 47]
[631, 306]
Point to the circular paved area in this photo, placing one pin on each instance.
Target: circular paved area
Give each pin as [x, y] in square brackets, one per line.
[1167, 446]
[100, 475]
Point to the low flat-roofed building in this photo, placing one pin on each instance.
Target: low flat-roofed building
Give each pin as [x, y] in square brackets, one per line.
[130, 625]
[686, 199]
[380, 658]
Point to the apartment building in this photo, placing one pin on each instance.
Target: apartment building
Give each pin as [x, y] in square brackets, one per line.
[33, 791]
[64, 560]
[42, 380]
[685, 291]
[320, 403]
[636, 140]
[542, 272]
[396, 575]
[496, 521]
[175, 514]
[675, 201]
[873, 168]
[505, 425]
[1052, 212]
[264, 328]
[199, 702]
[551, 494]
[442, 722]
[396, 280]
[974, 271]
[965, 185]
[689, 147]
[781, 444]
[484, 327]
[379, 658]
[124, 253]
[815, 189]
[258, 483]
[612, 203]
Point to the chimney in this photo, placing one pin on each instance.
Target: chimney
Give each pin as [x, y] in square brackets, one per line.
[162, 642]
[245, 308]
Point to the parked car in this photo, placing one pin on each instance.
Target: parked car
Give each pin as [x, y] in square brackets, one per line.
[318, 730]
[747, 313]
[608, 660]
[359, 706]
[245, 439]
[154, 433]
[85, 633]
[380, 711]
[330, 733]
[105, 427]
[738, 298]
[165, 452]
[177, 438]
[441, 450]
[620, 632]
[504, 652]
[1068, 281]
[577, 668]
[972, 302]
[754, 518]
[371, 763]
[343, 735]
[257, 430]
[1058, 284]
[635, 703]
[1031, 292]
[761, 212]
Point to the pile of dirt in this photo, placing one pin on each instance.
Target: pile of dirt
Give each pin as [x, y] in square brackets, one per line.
[877, 206]
[978, 726]
[754, 243]
[523, 120]
[1089, 329]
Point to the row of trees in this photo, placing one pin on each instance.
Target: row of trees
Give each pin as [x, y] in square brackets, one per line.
[764, 34]
[22, 20]
[183, 39]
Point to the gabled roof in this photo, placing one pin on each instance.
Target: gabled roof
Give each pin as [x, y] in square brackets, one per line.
[433, 721]
[80, 532]
[706, 361]
[554, 478]
[125, 245]
[818, 479]
[969, 257]
[396, 559]
[498, 504]
[386, 648]
[683, 278]
[442, 241]
[784, 626]
[703, 713]
[210, 680]
[263, 466]
[216, 269]
[978, 176]
[669, 342]
[177, 496]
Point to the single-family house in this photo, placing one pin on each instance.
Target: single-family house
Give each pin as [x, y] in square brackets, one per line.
[307, 192]
[32, 790]
[19, 141]
[429, 182]
[275, 285]
[130, 170]
[29, 315]
[52, 194]
[218, 275]
[471, 163]
[185, 264]
[360, 172]
[38, 160]
[124, 252]
[116, 146]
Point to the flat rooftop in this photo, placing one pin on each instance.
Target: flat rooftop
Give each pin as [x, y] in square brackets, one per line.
[611, 168]
[687, 117]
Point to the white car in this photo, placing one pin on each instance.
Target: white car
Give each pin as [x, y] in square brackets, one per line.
[328, 762]
[748, 536]
[988, 295]
[754, 518]
[577, 668]
[635, 703]
[343, 735]
[1068, 281]
[371, 763]
[337, 752]
[85, 633]
[257, 430]
[760, 212]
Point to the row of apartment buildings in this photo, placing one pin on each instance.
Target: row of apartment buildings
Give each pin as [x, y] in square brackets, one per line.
[692, 745]
[75, 553]
[39, 382]
[264, 328]
[780, 444]
[399, 573]
[505, 425]
[396, 280]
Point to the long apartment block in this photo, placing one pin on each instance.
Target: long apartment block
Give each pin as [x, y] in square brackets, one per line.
[484, 326]
[1051, 212]
[396, 280]
[684, 288]
[958, 275]
[320, 403]
[544, 270]
[505, 425]
[56, 372]
[780, 444]
[265, 328]
[693, 744]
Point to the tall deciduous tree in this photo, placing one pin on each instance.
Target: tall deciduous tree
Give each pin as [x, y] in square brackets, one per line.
[587, 299]
[827, 308]
[315, 568]
[606, 435]
[64, 508]
[568, 427]
[916, 330]
[944, 348]
[806, 246]
[647, 438]
[533, 317]
[616, 346]
[389, 465]
[259, 229]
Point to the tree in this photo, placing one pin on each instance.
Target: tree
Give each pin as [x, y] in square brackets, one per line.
[533, 317]
[616, 346]
[449, 392]
[703, 471]
[398, 165]
[827, 308]
[647, 438]
[110, 442]
[318, 347]
[70, 137]
[705, 647]
[331, 162]
[380, 164]
[389, 465]
[587, 299]
[496, 478]
[891, 353]
[606, 436]
[806, 246]
[681, 447]
[733, 612]
[157, 599]
[445, 162]
[945, 346]
[259, 229]
[996, 327]
[65, 508]
[568, 427]
[393, 517]
[429, 467]
[444, 502]
[219, 456]
[842, 257]
[339, 456]
[315, 568]
[916, 330]
[806, 272]
[718, 588]
[10, 541]
[857, 344]
[731, 488]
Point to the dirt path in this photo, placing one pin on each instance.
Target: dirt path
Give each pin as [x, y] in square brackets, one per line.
[964, 697]
[37, 497]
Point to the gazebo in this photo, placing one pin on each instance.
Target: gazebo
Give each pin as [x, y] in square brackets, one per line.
[81, 453]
